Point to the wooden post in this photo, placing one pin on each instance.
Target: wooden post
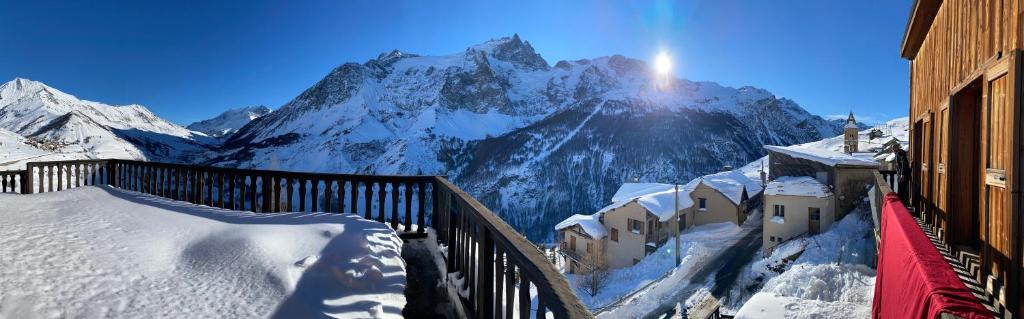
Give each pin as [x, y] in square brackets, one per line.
[485, 292]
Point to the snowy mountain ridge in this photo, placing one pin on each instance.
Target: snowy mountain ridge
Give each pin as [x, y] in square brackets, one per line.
[70, 125]
[229, 121]
[533, 141]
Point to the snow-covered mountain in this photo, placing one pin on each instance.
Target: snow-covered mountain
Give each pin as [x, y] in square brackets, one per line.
[230, 121]
[533, 141]
[66, 124]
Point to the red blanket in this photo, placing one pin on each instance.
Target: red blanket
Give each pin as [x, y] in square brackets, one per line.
[914, 281]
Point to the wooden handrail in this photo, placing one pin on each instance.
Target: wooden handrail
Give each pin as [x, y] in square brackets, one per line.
[476, 231]
[489, 255]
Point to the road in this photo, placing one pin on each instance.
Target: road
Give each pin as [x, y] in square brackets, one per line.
[731, 262]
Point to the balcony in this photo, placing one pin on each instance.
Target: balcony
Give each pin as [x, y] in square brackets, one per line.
[492, 267]
[965, 264]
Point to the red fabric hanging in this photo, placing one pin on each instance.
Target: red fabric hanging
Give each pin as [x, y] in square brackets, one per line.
[913, 279]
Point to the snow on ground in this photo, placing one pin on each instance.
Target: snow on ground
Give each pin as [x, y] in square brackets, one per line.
[696, 243]
[829, 279]
[104, 252]
[699, 244]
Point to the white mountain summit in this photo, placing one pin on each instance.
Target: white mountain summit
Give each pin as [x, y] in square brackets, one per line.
[71, 125]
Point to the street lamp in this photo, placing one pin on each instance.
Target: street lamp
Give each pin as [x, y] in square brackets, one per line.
[678, 261]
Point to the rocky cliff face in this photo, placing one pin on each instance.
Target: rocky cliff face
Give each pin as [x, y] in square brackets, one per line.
[534, 142]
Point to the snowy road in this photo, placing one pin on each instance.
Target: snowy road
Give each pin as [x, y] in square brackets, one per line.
[693, 276]
[731, 261]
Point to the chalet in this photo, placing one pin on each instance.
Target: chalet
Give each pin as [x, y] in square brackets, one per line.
[847, 176]
[965, 135]
[640, 218]
[795, 206]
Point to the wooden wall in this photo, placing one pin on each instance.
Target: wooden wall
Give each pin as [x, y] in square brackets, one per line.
[970, 40]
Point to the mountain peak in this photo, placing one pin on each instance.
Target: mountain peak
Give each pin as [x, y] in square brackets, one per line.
[229, 121]
[513, 50]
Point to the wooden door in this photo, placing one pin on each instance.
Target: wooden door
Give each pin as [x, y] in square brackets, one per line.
[813, 220]
[997, 129]
[941, 176]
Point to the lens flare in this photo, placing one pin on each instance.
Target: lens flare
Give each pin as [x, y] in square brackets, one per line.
[663, 63]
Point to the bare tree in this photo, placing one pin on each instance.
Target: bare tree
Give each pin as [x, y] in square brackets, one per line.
[594, 273]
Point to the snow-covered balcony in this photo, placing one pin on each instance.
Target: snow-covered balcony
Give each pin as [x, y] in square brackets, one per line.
[103, 238]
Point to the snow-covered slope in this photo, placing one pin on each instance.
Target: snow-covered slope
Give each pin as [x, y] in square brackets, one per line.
[533, 141]
[69, 125]
[101, 252]
[229, 121]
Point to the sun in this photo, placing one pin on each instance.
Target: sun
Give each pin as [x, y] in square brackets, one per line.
[663, 63]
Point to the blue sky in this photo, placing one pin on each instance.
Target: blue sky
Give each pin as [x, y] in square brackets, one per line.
[191, 60]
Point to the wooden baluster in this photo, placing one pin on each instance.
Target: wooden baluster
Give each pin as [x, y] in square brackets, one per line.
[327, 196]
[510, 291]
[49, 176]
[524, 296]
[540, 308]
[3, 183]
[277, 194]
[220, 189]
[485, 293]
[368, 195]
[315, 190]
[474, 255]
[78, 175]
[302, 195]
[341, 196]
[290, 190]
[394, 206]
[355, 197]
[380, 201]
[210, 181]
[178, 185]
[60, 176]
[499, 276]
[421, 202]
[408, 207]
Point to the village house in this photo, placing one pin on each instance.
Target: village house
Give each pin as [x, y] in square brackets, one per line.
[795, 206]
[847, 176]
[641, 218]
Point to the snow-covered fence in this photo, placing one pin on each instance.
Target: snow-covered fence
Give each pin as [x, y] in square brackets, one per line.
[44, 177]
[497, 267]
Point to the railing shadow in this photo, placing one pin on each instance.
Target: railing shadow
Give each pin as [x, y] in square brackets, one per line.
[231, 216]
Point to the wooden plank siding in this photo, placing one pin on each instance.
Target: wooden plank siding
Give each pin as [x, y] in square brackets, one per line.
[953, 45]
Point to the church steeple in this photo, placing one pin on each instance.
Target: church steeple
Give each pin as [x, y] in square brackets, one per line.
[851, 135]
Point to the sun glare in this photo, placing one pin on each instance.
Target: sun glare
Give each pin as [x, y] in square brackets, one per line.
[663, 63]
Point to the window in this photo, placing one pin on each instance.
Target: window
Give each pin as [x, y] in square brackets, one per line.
[572, 243]
[636, 226]
[779, 211]
[703, 203]
[815, 213]
[590, 247]
[772, 238]
[615, 234]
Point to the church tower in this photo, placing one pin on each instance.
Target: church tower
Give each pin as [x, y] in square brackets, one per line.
[850, 135]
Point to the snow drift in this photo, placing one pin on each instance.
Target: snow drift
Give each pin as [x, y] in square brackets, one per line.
[104, 252]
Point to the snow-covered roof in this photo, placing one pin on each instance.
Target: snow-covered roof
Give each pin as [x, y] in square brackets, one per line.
[591, 224]
[656, 198]
[826, 157]
[797, 186]
[731, 184]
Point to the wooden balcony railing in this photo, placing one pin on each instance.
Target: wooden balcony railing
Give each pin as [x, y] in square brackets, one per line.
[496, 264]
